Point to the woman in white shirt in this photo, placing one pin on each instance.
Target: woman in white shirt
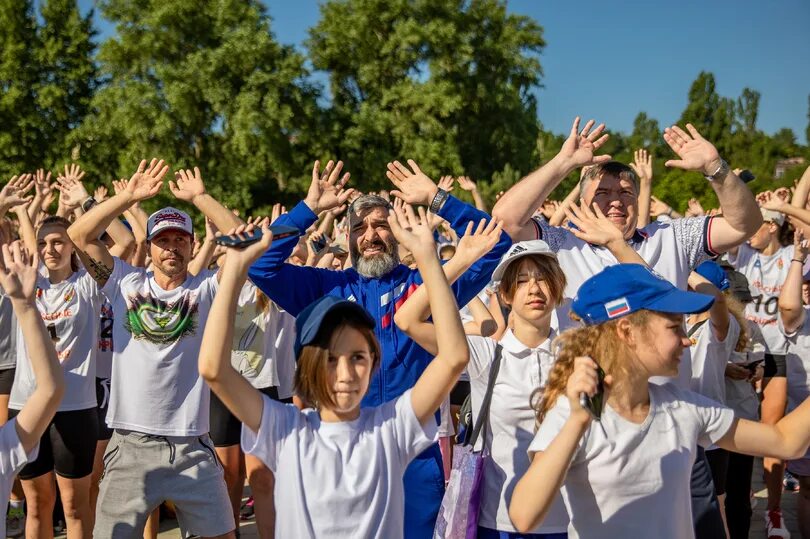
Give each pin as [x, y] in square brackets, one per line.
[627, 475]
[338, 468]
[532, 284]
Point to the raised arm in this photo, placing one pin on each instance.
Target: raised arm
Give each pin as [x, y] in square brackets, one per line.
[741, 216]
[558, 217]
[791, 309]
[536, 490]
[18, 275]
[483, 323]
[642, 166]
[438, 379]
[518, 204]
[12, 197]
[188, 186]
[84, 233]
[718, 313]
[799, 199]
[203, 258]
[776, 203]
[242, 399]
[412, 317]
[471, 187]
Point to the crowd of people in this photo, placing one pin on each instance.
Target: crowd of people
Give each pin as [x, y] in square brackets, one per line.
[619, 365]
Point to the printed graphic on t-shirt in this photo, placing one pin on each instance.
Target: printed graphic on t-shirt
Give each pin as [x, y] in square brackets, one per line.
[160, 322]
[105, 335]
[248, 352]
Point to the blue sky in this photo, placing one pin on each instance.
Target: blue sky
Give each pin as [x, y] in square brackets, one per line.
[611, 59]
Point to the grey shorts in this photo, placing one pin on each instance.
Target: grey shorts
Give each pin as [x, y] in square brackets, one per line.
[141, 471]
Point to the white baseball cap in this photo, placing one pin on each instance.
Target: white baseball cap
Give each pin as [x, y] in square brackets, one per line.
[772, 216]
[519, 250]
[167, 219]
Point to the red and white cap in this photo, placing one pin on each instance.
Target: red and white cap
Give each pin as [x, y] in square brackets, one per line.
[168, 219]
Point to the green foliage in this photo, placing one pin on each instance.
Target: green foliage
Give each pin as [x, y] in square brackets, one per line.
[447, 83]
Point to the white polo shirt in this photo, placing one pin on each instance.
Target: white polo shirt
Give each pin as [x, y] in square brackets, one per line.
[766, 275]
[511, 423]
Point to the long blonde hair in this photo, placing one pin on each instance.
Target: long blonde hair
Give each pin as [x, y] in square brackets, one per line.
[600, 342]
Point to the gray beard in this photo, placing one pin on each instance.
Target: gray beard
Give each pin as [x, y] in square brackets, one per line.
[376, 266]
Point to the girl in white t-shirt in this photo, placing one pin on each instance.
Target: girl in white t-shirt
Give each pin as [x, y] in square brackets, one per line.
[19, 437]
[532, 284]
[338, 468]
[628, 474]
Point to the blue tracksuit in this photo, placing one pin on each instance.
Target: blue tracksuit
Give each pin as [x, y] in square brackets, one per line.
[403, 361]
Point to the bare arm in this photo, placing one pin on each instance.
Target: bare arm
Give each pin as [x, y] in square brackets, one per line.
[741, 216]
[516, 207]
[18, 275]
[242, 399]
[466, 183]
[412, 317]
[718, 313]
[559, 214]
[791, 309]
[788, 439]
[799, 199]
[203, 258]
[482, 324]
[188, 185]
[438, 379]
[642, 166]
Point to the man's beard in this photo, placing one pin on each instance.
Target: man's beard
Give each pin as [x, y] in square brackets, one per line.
[378, 265]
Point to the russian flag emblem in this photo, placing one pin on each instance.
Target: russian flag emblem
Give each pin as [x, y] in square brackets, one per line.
[617, 307]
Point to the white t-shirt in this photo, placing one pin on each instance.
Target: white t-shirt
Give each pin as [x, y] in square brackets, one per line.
[70, 311]
[8, 333]
[511, 423]
[155, 386]
[339, 479]
[709, 358]
[797, 362]
[12, 459]
[672, 249]
[740, 394]
[105, 340]
[632, 480]
[766, 275]
[254, 335]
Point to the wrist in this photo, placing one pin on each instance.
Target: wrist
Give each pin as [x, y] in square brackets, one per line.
[432, 195]
[561, 165]
[312, 205]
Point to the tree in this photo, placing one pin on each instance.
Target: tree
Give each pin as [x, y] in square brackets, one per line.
[447, 83]
[748, 110]
[202, 84]
[710, 113]
[21, 146]
[67, 74]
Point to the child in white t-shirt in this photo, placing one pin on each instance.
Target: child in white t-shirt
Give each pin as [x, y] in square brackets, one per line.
[627, 475]
[19, 437]
[794, 323]
[338, 468]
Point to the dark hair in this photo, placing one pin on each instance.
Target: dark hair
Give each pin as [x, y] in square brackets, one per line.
[611, 168]
[311, 376]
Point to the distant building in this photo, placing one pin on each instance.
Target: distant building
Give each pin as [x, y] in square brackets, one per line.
[784, 164]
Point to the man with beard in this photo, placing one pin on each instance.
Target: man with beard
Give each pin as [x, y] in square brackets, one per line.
[159, 405]
[380, 284]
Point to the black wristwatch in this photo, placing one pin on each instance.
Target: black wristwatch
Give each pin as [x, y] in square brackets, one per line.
[89, 203]
[438, 201]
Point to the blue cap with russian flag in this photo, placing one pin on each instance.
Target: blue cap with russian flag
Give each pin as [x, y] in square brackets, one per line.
[620, 290]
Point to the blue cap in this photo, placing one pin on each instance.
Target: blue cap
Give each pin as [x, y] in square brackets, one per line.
[712, 272]
[308, 322]
[620, 290]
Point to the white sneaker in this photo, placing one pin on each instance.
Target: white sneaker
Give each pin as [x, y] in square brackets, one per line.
[775, 525]
[15, 522]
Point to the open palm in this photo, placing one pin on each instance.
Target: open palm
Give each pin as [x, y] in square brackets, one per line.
[695, 152]
[18, 271]
[580, 147]
[147, 180]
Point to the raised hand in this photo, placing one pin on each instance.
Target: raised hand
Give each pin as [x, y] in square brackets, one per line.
[642, 165]
[770, 201]
[476, 243]
[71, 189]
[277, 211]
[446, 183]
[187, 184]
[327, 189]
[412, 231]
[591, 225]
[580, 147]
[694, 208]
[13, 193]
[695, 152]
[467, 184]
[413, 186]
[18, 271]
[42, 182]
[147, 180]
[659, 207]
[242, 258]
[100, 194]
[801, 246]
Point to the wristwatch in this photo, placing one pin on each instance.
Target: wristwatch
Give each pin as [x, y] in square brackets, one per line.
[719, 174]
[89, 203]
[438, 201]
